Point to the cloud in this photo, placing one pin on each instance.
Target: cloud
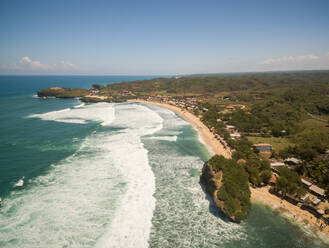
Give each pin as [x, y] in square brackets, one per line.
[292, 60]
[26, 64]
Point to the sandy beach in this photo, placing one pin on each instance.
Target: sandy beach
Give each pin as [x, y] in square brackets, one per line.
[296, 214]
[305, 219]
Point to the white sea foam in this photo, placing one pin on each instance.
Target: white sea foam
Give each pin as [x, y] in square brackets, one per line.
[68, 206]
[166, 138]
[182, 217]
[103, 192]
[209, 149]
[80, 105]
[132, 223]
[81, 114]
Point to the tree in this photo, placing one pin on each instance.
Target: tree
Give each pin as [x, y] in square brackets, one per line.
[289, 182]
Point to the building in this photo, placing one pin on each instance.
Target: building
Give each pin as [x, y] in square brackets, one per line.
[230, 128]
[317, 191]
[230, 107]
[292, 161]
[305, 197]
[235, 136]
[275, 166]
[262, 147]
[306, 183]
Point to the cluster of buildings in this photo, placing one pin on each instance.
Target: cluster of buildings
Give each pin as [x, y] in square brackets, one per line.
[314, 200]
[234, 134]
[185, 103]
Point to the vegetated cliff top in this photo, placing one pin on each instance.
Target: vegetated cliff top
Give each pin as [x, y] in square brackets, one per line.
[62, 92]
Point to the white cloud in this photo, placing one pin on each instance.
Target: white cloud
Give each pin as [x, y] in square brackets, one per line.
[292, 60]
[26, 64]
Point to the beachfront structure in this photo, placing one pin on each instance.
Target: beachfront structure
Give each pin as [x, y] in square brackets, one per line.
[262, 147]
[277, 164]
[230, 128]
[306, 183]
[292, 161]
[235, 136]
[316, 202]
[317, 191]
[305, 197]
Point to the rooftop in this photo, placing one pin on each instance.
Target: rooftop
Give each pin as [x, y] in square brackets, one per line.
[318, 190]
[306, 182]
[262, 144]
[277, 164]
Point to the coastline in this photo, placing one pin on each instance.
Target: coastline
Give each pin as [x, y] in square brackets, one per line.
[206, 135]
[302, 217]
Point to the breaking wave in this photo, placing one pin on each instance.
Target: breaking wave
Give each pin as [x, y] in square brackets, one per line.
[81, 114]
[101, 195]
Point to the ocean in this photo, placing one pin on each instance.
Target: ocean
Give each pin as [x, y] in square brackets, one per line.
[112, 175]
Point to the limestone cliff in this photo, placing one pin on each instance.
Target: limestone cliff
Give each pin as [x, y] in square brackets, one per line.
[232, 197]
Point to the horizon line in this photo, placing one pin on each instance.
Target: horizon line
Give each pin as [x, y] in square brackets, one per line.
[175, 74]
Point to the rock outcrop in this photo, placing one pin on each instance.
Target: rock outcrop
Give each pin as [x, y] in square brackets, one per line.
[62, 92]
[227, 183]
[213, 181]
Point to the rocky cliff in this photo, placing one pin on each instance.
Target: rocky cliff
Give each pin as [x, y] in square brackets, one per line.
[213, 181]
[62, 92]
[230, 197]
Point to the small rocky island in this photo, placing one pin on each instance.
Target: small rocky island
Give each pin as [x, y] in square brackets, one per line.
[227, 183]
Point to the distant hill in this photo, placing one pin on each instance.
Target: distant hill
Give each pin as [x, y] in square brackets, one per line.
[210, 84]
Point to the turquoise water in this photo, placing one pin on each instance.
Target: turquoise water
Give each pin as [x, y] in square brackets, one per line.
[112, 175]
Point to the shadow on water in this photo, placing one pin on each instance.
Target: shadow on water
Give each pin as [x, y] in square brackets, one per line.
[212, 207]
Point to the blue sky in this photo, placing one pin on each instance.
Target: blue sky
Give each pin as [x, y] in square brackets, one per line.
[162, 37]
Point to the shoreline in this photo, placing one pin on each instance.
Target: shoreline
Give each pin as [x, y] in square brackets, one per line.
[206, 135]
[303, 218]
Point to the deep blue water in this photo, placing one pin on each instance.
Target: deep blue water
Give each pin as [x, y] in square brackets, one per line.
[22, 85]
[28, 146]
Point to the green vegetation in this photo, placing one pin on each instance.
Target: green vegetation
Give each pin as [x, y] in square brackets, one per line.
[289, 183]
[278, 143]
[292, 119]
[259, 171]
[62, 92]
[245, 86]
[234, 192]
